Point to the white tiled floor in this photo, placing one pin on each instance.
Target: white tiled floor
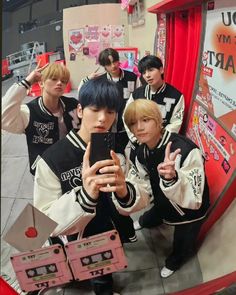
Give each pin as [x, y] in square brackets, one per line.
[145, 258]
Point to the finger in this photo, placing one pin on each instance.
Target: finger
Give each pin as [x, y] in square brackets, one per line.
[97, 69]
[86, 156]
[115, 158]
[174, 154]
[42, 68]
[167, 151]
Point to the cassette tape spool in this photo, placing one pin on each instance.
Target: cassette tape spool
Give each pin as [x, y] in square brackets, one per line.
[43, 268]
[95, 256]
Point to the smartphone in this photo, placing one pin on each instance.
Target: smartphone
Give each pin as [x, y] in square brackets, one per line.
[101, 145]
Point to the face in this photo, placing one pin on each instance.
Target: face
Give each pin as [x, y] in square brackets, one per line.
[53, 87]
[113, 69]
[95, 119]
[146, 131]
[153, 77]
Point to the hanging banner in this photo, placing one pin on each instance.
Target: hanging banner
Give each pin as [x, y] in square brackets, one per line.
[160, 43]
[217, 83]
[217, 146]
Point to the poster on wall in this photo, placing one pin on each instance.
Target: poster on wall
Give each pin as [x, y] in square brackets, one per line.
[76, 40]
[91, 39]
[161, 37]
[217, 146]
[217, 83]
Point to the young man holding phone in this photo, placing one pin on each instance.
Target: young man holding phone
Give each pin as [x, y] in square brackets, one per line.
[70, 191]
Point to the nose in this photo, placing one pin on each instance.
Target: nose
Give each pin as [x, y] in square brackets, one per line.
[101, 116]
[147, 74]
[59, 82]
[139, 125]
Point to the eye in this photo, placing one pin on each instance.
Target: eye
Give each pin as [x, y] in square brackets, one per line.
[146, 119]
[94, 109]
[111, 112]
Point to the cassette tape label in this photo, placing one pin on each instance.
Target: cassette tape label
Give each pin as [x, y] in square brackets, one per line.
[92, 244]
[36, 257]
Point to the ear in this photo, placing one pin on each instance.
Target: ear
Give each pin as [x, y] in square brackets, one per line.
[161, 70]
[79, 111]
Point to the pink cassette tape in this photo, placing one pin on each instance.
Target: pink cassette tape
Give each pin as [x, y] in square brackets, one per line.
[42, 268]
[95, 256]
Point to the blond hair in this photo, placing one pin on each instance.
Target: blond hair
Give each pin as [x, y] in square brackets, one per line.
[55, 71]
[142, 108]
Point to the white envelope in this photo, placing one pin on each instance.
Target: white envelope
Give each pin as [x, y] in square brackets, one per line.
[30, 230]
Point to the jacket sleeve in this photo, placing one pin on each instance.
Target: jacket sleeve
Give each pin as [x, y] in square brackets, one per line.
[177, 117]
[139, 189]
[187, 190]
[72, 210]
[15, 115]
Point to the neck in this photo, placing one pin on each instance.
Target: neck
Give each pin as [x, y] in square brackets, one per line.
[115, 75]
[84, 135]
[154, 88]
[51, 103]
[154, 143]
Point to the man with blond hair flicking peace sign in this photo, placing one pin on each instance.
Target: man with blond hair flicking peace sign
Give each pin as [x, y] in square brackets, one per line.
[45, 119]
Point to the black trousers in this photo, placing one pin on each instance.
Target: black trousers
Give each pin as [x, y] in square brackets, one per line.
[184, 241]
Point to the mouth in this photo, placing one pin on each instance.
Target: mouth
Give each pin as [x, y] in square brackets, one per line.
[100, 129]
[150, 81]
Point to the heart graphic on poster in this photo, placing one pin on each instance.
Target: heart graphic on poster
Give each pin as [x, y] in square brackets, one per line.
[225, 49]
[76, 38]
[105, 34]
[117, 34]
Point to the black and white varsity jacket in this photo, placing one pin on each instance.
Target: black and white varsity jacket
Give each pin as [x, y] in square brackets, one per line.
[43, 130]
[184, 199]
[59, 192]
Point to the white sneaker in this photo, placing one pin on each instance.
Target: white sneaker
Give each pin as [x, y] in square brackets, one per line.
[137, 225]
[166, 272]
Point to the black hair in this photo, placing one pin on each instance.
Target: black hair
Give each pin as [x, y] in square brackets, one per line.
[103, 57]
[150, 61]
[101, 93]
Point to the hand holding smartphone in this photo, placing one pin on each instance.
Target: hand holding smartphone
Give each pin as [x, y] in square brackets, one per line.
[101, 145]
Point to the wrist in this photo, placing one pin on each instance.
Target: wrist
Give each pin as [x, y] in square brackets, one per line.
[25, 83]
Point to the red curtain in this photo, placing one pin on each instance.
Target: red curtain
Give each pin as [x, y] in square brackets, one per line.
[183, 42]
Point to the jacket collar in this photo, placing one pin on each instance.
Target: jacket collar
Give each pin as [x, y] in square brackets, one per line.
[147, 91]
[109, 77]
[45, 110]
[76, 140]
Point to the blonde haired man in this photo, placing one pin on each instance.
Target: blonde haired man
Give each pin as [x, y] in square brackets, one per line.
[173, 169]
[45, 119]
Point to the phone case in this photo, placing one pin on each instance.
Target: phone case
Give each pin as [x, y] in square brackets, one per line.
[101, 145]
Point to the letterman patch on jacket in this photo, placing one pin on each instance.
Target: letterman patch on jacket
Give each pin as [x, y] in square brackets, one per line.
[43, 131]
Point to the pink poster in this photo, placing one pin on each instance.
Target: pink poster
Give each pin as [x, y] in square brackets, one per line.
[76, 40]
[218, 148]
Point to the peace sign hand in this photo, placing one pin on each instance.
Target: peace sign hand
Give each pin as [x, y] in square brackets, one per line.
[166, 169]
[35, 75]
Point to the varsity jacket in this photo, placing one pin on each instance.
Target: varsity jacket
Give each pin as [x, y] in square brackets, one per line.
[181, 200]
[170, 101]
[127, 84]
[39, 124]
[59, 192]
